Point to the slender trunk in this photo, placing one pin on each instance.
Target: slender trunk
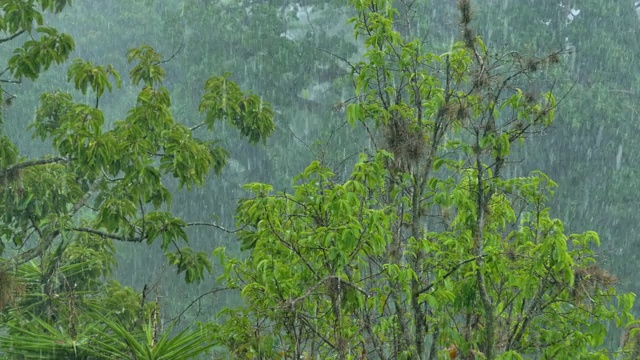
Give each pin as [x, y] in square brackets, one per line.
[418, 314]
[478, 250]
[372, 337]
[433, 351]
[336, 308]
[395, 256]
[401, 314]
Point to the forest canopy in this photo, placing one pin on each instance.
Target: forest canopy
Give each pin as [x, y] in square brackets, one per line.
[408, 229]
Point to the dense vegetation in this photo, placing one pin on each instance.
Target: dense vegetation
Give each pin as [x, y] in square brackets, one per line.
[366, 196]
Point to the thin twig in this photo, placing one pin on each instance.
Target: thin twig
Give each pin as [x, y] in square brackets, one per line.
[3, 40]
[172, 56]
[212, 291]
[215, 226]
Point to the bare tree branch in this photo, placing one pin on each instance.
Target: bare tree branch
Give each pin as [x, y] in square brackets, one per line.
[3, 40]
[214, 225]
[172, 56]
[23, 165]
[194, 301]
[108, 235]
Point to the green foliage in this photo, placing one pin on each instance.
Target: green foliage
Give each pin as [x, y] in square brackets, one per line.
[85, 74]
[122, 167]
[187, 344]
[223, 99]
[148, 69]
[191, 263]
[428, 245]
[597, 118]
[105, 181]
[36, 56]
[329, 245]
[54, 6]
[28, 344]
[92, 333]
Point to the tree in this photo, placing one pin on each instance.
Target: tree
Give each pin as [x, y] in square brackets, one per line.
[428, 248]
[105, 181]
[589, 152]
